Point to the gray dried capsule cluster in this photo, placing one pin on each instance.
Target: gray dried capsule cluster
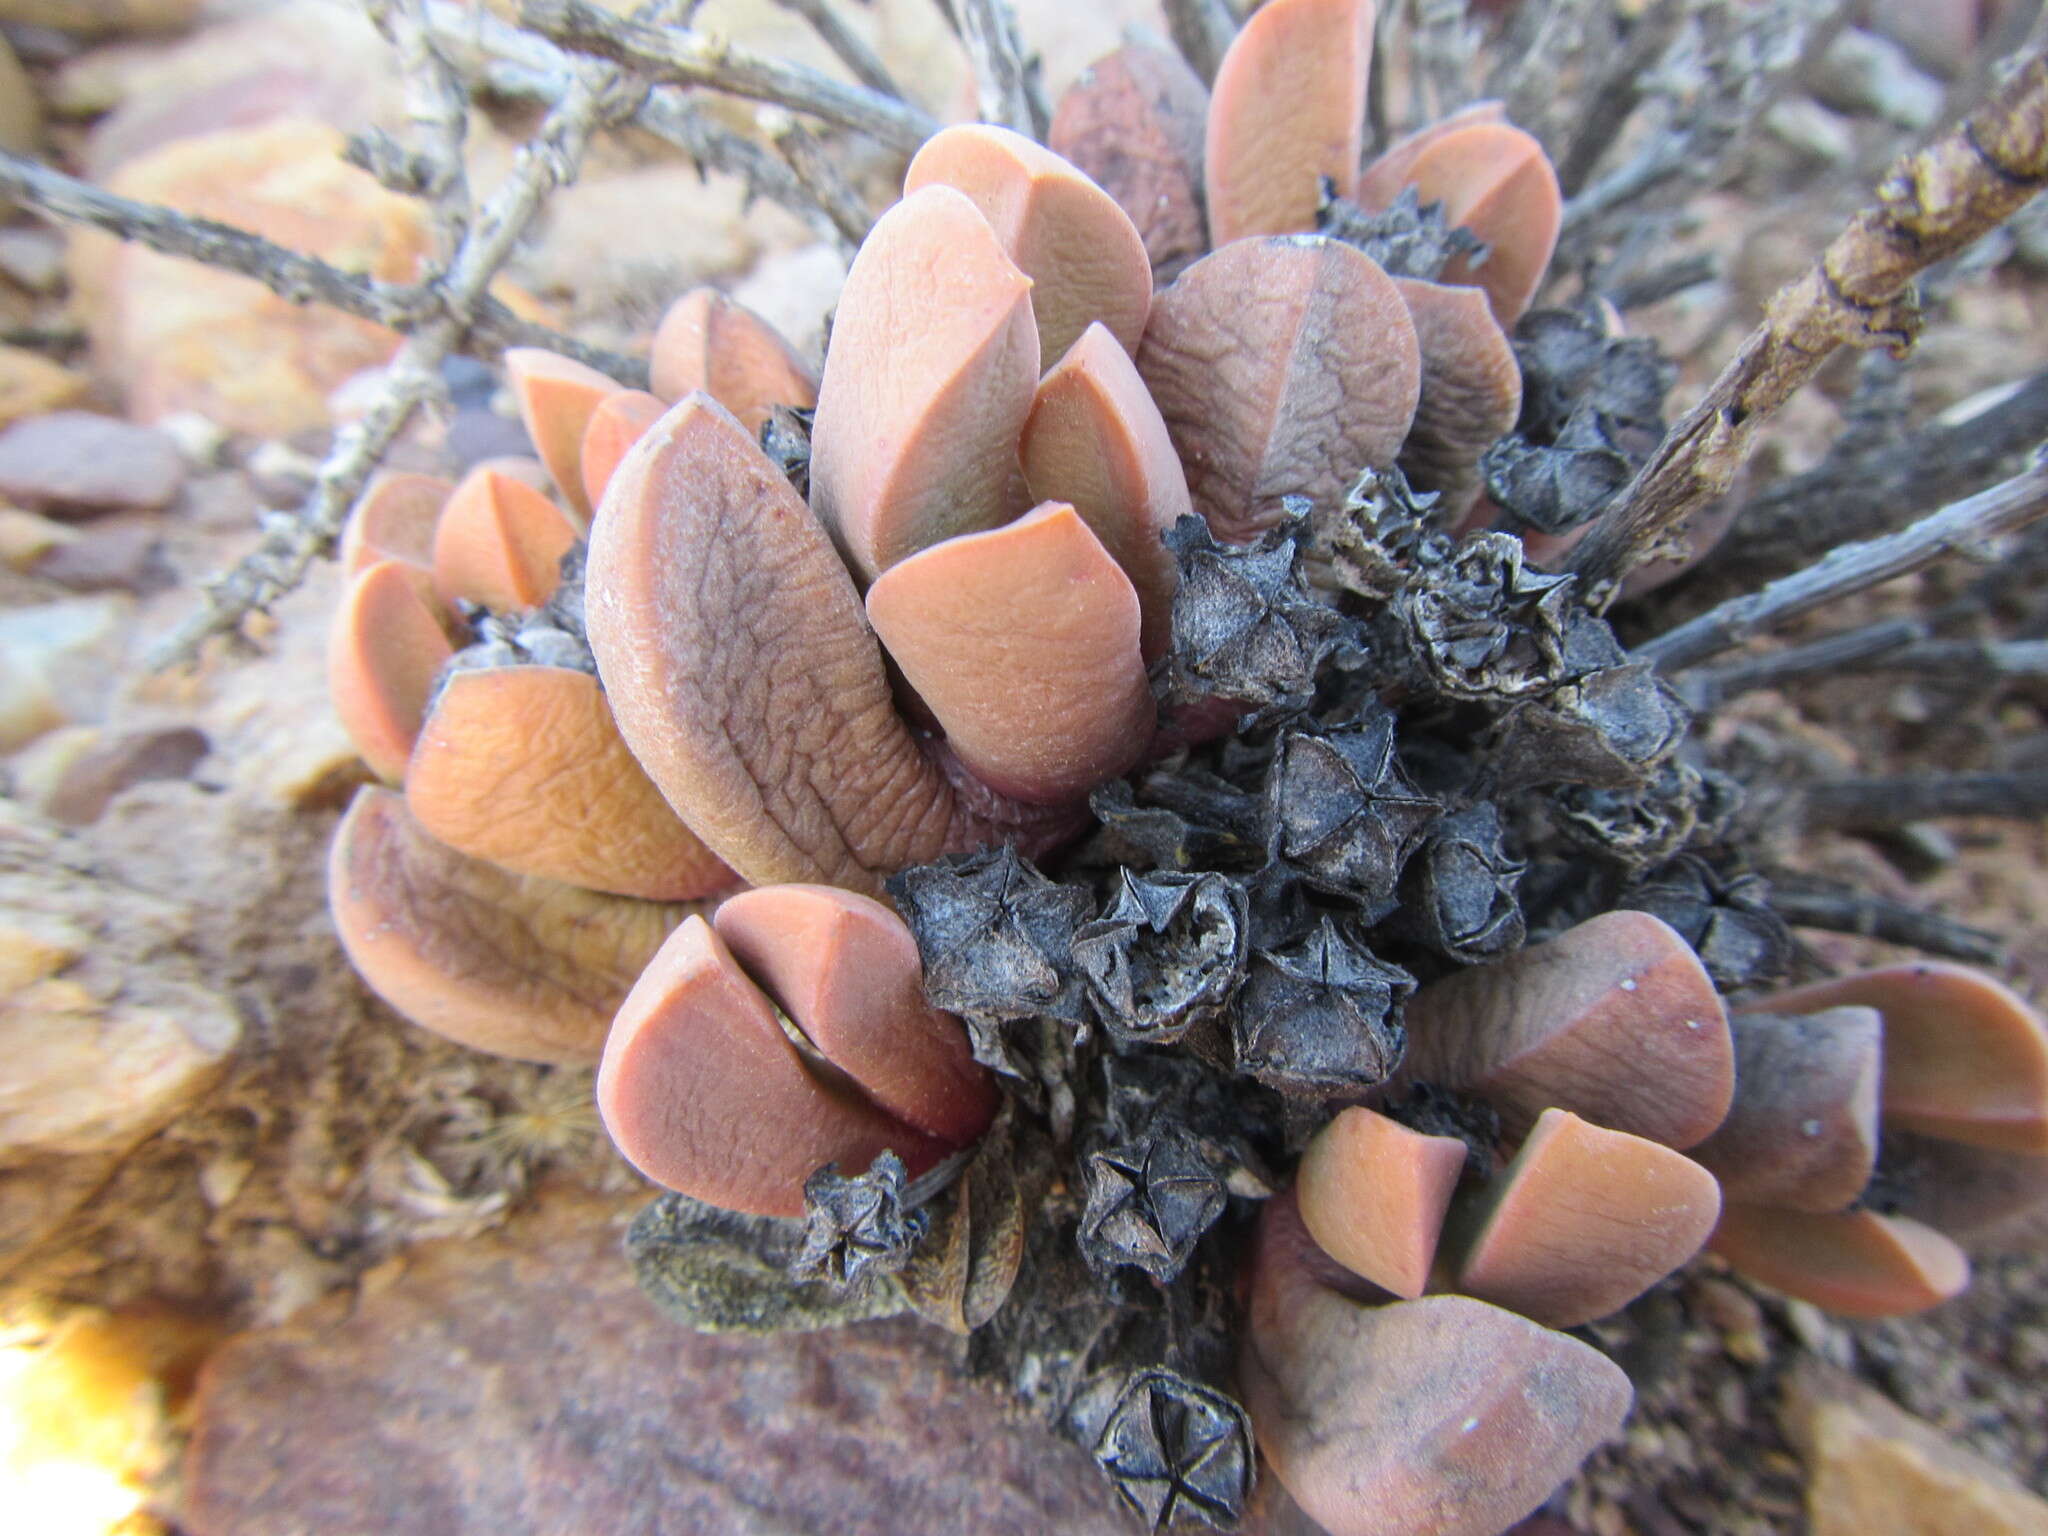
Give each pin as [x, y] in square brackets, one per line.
[1408, 238]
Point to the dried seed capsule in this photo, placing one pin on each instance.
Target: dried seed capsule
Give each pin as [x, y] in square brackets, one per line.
[1244, 628]
[857, 1226]
[1322, 1016]
[1184, 819]
[1175, 1448]
[786, 439]
[1558, 486]
[1149, 1202]
[1408, 238]
[1459, 894]
[1483, 625]
[997, 941]
[1343, 812]
[1727, 919]
[1380, 539]
[1610, 729]
[1643, 825]
[1165, 957]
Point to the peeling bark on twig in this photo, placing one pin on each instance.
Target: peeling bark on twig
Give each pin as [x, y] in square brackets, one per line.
[1932, 205]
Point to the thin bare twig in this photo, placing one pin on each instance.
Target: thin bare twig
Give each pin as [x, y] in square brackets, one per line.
[1202, 31]
[2009, 505]
[285, 272]
[1893, 800]
[989, 30]
[1931, 206]
[821, 178]
[1710, 686]
[291, 543]
[846, 45]
[1835, 909]
[678, 56]
[437, 106]
[1443, 50]
[1614, 100]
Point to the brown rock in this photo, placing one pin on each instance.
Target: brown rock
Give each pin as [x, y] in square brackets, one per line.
[1875, 1470]
[21, 118]
[184, 338]
[74, 461]
[465, 1397]
[33, 258]
[90, 781]
[31, 384]
[118, 554]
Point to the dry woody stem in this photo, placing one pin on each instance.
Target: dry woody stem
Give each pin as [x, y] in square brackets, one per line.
[2005, 507]
[681, 57]
[1932, 204]
[1893, 800]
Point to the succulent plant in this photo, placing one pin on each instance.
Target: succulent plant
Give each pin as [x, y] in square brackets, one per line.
[1165, 568]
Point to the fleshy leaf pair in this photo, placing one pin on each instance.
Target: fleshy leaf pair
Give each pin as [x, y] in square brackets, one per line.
[1883, 1119]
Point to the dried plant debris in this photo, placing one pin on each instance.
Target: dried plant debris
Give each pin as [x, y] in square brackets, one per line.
[1165, 957]
[1438, 1111]
[1174, 1448]
[1727, 918]
[1592, 412]
[857, 1226]
[1678, 807]
[1343, 812]
[551, 635]
[1408, 238]
[1244, 627]
[1149, 1202]
[1460, 893]
[1321, 1016]
[786, 439]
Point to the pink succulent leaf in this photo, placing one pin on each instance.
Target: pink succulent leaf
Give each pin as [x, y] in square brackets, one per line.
[1444, 1415]
[523, 766]
[1282, 368]
[1471, 392]
[1855, 1263]
[1134, 123]
[704, 1092]
[1802, 1132]
[504, 963]
[930, 376]
[394, 520]
[616, 425]
[499, 543]
[1096, 441]
[710, 342]
[1084, 256]
[1964, 1058]
[1024, 643]
[556, 397]
[388, 643]
[1393, 168]
[1580, 1223]
[846, 970]
[1288, 112]
[1614, 1020]
[1374, 1193]
[745, 678]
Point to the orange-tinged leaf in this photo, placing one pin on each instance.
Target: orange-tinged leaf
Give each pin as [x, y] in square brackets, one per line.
[1614, 1019]
[1802, 1132]
[499, 962]
[383, 653]
[523, 766]
[1443, 1415]
[500, 543]
[394, 521]
[1582, 1222]
[1282, 368]
[1288, 110]
[1023, 642]
[710, 342]
[1471, 392]
[615, 426]
[1855, 1263]
[927, 383]
[846, 970]
[556, 395]
[704, 1092]
[1085, 258]
[1964, 1057]
[1392, 169]
[1134, 122]
[744, 676]
[1096, 441]
[1373, 1193]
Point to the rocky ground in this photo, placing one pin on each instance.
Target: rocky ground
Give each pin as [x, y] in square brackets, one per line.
[271, 1259]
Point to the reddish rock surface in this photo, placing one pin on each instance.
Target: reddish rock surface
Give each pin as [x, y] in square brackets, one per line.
[520, 1383]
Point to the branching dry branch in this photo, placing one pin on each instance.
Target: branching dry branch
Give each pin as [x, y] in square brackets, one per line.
[812, 162]
[1837, 910]
[989, 30]
[1962, 525]
[678, 56]
[299, 278]
[1893, 800]
[1932, 205]
[846, 45]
